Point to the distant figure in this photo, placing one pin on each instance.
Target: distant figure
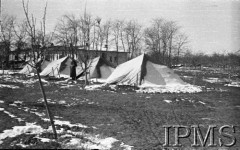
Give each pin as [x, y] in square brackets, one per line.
[73, 69]
[38, 64]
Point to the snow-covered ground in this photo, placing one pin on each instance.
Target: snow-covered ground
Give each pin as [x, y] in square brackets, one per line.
[186, 100]
[170, 89]
[8, 86]
[16, 79]
[29, 128]
[215, 80]
[66, 138]
[233, 84]
[230, 82]
[77, 140]
[6, 72]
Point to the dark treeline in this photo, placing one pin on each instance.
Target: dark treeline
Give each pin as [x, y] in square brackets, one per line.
[230, 60]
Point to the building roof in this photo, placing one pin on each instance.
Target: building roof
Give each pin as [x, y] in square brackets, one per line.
[63, 48]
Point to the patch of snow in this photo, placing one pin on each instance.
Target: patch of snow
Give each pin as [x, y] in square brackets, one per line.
[41, 100]
[202, 102]
[188, 77]
[191, 101]
[60, 122]
[167, 101]
[233, 84]
[62, 102]
[37, 113]
[26, 109]
[98, 80]
[217, 80]
[45, 119]
[8, 86]
[93, 87]
[22, 145]
[44, 81]
[62, 82]
[29, 128]
[66, 135]
[207, 119]
[13, 105]
[113, 87]
[66, 86]
[58, 117]
[44, 139]
[12, 115]
[126, 147]
[94, 143]
[64, 76]
[211, 80]
[9, 114]
[170, 89]
[7, 72]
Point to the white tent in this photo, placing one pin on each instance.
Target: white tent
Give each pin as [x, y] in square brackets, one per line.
[28, 68]
[60, 68]
[141, 71]
[100, 68]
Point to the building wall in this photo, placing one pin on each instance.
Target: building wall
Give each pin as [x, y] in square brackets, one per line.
[111, 56]
[57, 52]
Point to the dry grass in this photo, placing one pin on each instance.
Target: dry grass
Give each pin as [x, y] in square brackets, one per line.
[133, 118]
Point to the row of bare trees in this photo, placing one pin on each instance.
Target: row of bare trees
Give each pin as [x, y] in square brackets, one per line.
[163, 39]
[93, 33]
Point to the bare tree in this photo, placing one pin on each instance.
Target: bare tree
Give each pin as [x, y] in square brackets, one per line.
[161, 38]
[133, 36]
[97, 40]
[31, 30]
[106, 31]
[180, 41]
[116, 26]
[20, 36]
[172, 29]
[67, 30]
[153, 38]
[6, 37]
[86, 24]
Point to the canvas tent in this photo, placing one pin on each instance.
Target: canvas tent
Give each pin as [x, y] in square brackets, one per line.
[141, 71]
[100, 68]
[60, 68]
[28, 69]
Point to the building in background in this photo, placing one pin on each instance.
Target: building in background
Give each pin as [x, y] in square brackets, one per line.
[56, 52]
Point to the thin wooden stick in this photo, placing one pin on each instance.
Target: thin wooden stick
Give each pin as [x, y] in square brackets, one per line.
[46, 105]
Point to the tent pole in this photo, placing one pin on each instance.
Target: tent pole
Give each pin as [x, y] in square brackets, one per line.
[58, 72]
[52, 71]
[28, 70]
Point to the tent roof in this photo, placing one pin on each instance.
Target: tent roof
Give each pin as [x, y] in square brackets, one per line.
[27, 69]
[99, 68]
[141, 70]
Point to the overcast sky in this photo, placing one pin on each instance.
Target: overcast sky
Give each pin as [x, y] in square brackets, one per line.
[212, 25]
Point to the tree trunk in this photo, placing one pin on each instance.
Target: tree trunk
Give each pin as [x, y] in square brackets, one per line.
[46, 105]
